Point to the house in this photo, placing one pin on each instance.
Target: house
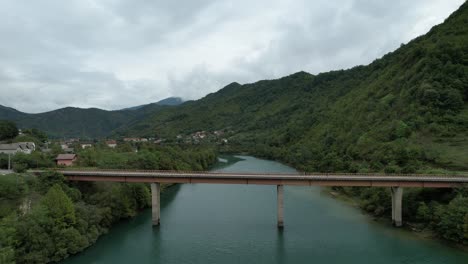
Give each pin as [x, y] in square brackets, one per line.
[84, 146]
[65, 159]
[8, 148]
[111, 143]
[13, 148]
[27, 147]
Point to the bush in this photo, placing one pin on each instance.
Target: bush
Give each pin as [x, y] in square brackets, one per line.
[20, 167]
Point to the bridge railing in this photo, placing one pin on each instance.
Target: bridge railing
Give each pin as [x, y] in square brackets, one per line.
[325, 174]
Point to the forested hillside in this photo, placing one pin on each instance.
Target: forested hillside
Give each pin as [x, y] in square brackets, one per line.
[404, 112]
[78, 122]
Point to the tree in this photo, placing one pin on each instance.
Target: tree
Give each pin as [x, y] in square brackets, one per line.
[452, 224]
[35, 243]
[452, 99]
[7, 240]
[59, 207]
[49, 179]
[36, 133]
[430, 96]
[423, 213]
[8, 130]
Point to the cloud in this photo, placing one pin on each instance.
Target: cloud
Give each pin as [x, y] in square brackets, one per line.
[115, 53]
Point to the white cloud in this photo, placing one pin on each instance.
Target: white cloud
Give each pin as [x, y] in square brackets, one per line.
[116, 53]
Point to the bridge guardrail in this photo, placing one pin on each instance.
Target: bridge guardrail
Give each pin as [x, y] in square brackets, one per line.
[377, 174]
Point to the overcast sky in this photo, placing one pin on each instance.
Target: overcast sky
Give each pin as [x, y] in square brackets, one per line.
[112, 54]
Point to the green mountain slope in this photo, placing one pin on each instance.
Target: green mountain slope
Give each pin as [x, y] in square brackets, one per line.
[77, 122]
[85, 123]
[403, 112]
[9, 113]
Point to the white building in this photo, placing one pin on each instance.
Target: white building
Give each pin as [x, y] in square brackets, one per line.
[13, 148]
[111, 143]
[84, 146]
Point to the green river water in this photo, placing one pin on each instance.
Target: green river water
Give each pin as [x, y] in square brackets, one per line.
[204, 223]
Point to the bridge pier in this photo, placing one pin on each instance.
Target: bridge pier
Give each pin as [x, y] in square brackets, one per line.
[155, 203]
[279, 191]
[397, 199]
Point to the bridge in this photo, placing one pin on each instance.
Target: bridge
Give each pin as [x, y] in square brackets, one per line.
[396, 183]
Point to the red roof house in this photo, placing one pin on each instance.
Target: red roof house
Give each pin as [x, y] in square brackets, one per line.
[65, 159]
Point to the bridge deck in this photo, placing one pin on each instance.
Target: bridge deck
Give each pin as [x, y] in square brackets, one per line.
[321, 179]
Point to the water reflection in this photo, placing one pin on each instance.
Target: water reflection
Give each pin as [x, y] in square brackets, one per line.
[280, 251]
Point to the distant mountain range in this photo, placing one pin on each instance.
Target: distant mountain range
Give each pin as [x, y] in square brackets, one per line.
[84, 123]
[172, 101]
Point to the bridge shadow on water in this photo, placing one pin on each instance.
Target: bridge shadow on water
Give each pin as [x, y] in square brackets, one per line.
[169, 195]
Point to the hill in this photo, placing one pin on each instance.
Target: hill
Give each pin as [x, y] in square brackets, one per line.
[76, 122]
[85, 123]
[404, 112]
[171, 101]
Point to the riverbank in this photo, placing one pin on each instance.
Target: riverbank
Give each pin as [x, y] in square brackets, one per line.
[46, 218]
[440, 213]
[412, 228]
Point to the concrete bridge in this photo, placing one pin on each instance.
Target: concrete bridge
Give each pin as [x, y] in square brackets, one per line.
[396, 183]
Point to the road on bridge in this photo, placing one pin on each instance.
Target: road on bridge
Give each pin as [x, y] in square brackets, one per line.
[321, 179]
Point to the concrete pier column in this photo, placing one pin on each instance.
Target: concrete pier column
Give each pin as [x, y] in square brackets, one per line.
[155, 203]
[279, 190]
[397, 199]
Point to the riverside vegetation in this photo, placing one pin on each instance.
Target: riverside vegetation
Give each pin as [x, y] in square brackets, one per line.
[46, 219]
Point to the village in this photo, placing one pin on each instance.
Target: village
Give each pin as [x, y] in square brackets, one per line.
[66, 151]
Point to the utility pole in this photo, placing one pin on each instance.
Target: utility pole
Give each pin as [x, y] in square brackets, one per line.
[9, 161]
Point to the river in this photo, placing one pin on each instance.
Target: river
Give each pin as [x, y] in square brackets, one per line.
[203, 223]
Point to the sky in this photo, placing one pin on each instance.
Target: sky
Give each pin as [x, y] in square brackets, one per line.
[113, 54]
